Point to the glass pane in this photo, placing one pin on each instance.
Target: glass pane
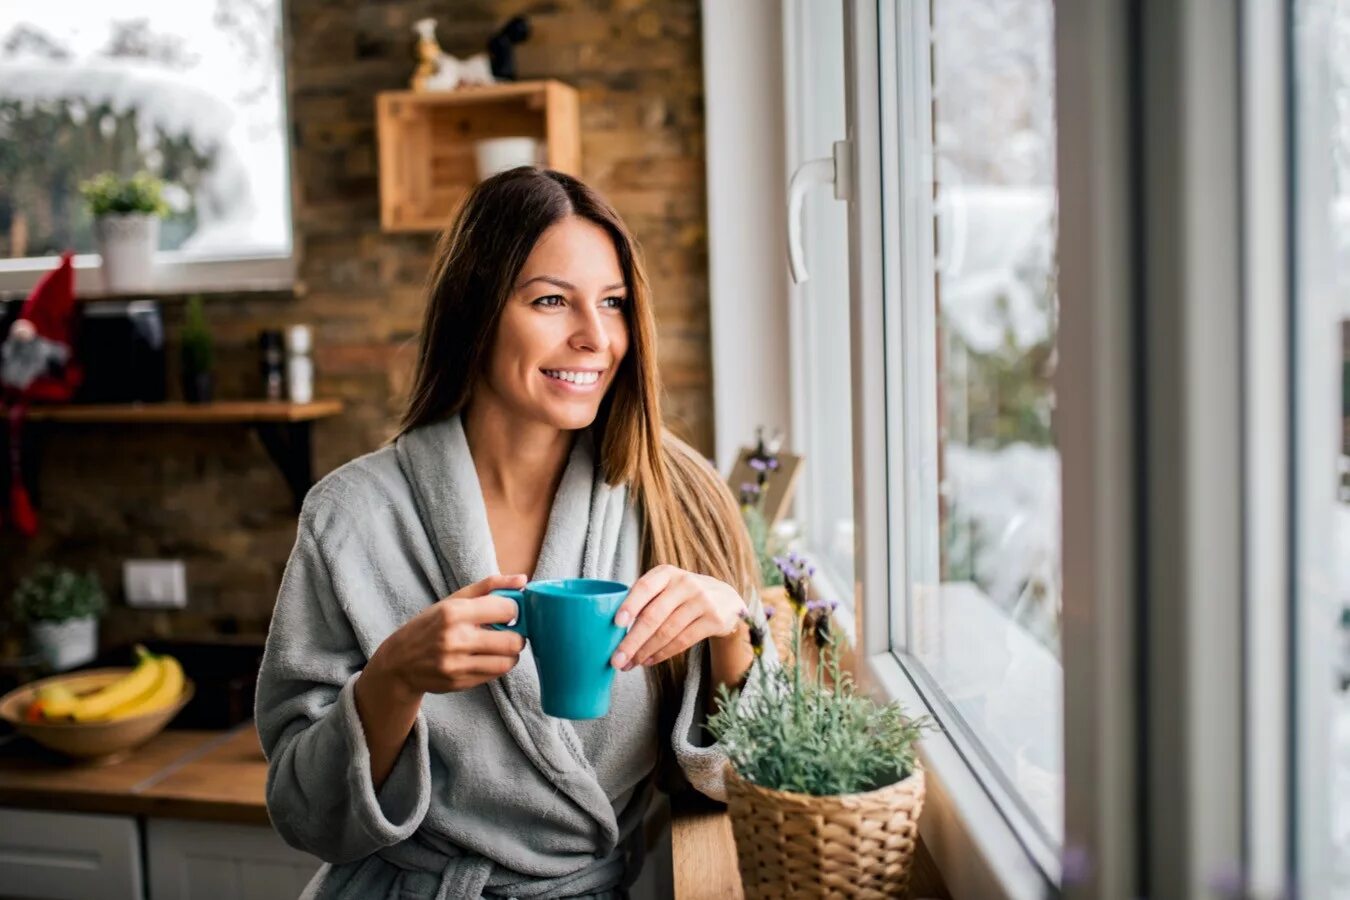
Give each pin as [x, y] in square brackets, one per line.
[985, 612]
[191, 92]
[1322, 421]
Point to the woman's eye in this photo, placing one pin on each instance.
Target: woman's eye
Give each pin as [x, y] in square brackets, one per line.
[618, 302]
[542, 301]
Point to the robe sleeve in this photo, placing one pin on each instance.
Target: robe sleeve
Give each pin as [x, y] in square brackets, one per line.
[320, 792]
[702, 760]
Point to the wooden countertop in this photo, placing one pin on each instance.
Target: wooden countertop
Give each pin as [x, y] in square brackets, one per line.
[214, 775]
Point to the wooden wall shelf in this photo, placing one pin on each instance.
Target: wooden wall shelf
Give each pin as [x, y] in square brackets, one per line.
[283, 428]
[224, 411]
[426, 141]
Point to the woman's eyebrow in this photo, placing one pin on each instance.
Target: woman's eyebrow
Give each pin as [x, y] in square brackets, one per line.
[565, 285]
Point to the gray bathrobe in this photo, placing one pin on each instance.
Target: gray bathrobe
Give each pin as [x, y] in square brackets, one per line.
[489, 796]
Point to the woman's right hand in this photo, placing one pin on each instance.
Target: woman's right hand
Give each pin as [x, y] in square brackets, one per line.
[445, 647]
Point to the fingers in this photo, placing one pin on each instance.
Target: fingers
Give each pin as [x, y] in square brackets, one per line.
[680, 618]
[489, 584]
[490, 666]
[652, 616]
[643, 591]
[487, 610]
[497, 643]
[687, 638]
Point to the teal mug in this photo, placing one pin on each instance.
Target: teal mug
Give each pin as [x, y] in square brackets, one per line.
[569, 623]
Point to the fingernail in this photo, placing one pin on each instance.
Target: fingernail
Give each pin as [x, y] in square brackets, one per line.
[623, 618]
[619, 659]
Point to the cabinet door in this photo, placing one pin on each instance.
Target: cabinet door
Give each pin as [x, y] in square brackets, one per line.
[69, 856]
[212, 861]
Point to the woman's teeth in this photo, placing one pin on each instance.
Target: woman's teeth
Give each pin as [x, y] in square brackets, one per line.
[573, 377]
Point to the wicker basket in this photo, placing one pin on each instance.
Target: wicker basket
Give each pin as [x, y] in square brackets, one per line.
[797, 845]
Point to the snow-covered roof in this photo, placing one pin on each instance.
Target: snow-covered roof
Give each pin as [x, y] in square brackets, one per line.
[159, 99]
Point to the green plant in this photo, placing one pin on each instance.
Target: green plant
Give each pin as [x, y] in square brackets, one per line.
[198, 347]
[55, 594]
[109, 194]
[801, 730]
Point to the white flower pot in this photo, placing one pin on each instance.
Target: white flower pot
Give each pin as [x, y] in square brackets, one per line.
[127, 244]
[67, 644]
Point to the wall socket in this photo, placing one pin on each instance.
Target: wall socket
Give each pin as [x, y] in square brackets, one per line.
[155, 583]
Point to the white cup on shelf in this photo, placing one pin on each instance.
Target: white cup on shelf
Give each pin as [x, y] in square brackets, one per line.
[495, 155]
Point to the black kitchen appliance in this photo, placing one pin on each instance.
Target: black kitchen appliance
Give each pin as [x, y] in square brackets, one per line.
[120, 343]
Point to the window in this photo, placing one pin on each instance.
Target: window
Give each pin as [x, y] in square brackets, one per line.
[819, 324]
[970, 311]
[191, 92]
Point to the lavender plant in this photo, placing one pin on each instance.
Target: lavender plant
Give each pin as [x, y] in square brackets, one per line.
[752, 494]
[802, 731]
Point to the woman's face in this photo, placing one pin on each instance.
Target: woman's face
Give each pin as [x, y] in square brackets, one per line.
[563, 330]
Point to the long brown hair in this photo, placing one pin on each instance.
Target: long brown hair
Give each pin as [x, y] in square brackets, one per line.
[689, 517]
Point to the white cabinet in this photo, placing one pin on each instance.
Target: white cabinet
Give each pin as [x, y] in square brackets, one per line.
[70, 855]
[81, 856]
[212, 861]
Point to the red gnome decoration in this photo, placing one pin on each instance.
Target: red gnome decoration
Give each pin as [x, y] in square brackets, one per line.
[37, 366]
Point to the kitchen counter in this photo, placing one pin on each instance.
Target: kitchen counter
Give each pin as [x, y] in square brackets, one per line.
[217, 776]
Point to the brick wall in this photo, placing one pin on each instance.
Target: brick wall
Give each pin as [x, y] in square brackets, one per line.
[210, 495]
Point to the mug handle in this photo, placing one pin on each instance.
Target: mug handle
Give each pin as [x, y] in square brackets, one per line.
[519, 626]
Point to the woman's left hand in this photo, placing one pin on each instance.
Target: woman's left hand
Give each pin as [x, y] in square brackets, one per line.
[671, 610]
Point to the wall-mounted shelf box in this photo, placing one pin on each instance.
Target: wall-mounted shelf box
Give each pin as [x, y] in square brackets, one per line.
[426, 140]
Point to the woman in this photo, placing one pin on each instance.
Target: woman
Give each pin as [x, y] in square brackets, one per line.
[405, 742]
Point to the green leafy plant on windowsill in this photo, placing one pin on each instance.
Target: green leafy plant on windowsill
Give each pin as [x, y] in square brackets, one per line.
[108, 194]
[56, 594]
[805, 728]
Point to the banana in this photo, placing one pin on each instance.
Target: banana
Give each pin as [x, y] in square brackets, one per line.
[57, 701]
[129, 687]
[165, 692]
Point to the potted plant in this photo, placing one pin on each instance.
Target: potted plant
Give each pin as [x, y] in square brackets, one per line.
[198, 354]
[61, 609]
[126, 214]
[824, 788]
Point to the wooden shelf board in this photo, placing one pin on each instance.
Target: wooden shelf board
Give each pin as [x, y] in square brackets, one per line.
[221, 412]
[477, 93]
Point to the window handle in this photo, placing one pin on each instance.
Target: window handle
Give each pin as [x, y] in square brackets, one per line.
[834, 170]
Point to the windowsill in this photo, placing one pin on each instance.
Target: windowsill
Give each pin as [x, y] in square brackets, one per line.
[175, 273]
[974, 846]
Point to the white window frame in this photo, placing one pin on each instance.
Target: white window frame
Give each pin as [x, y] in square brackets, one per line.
[176, 272]
[984, 842]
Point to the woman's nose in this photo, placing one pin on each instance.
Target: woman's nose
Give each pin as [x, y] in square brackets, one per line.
[590, 332]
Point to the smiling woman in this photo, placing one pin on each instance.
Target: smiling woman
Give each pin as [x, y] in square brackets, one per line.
[407, 744]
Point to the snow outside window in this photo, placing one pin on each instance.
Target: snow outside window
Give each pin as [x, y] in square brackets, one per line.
[976, 610]
[191, 92]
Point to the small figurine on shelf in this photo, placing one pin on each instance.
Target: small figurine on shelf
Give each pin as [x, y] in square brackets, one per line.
[439, 71]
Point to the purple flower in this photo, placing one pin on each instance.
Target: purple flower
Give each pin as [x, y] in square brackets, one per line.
[758, 465]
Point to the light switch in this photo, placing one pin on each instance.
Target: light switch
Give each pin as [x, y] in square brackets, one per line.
[155, 583]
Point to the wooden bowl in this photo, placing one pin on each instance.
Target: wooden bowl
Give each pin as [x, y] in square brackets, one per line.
[97, 742]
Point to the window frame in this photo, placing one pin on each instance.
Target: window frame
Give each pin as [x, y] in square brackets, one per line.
[896, 262]
[182, 272]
